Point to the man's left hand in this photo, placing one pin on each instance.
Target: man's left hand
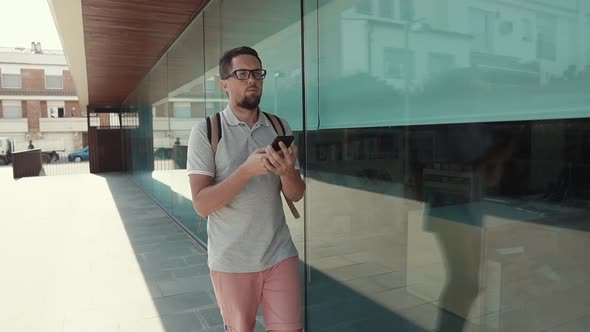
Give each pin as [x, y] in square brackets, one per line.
[281, 162]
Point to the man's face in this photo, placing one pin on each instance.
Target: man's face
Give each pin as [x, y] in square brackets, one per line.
[245, 93]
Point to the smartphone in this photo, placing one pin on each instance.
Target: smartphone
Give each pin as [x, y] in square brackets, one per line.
[285, 139]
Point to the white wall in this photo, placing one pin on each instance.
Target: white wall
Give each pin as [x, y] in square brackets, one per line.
[63, 125]
[14, 126]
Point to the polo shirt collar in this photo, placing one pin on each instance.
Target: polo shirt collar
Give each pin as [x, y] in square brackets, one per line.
[233, 120]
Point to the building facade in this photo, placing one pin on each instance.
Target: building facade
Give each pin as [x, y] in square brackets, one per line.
[38, 100]
[444, 145]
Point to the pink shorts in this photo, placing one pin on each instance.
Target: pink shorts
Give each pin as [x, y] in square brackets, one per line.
[277, 289]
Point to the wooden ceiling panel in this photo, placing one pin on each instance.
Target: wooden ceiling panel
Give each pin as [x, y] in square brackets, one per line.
[124, 39]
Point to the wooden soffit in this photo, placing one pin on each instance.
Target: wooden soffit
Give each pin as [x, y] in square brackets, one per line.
[124, 39]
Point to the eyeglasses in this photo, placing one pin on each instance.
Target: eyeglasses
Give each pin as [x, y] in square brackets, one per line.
[244, 74]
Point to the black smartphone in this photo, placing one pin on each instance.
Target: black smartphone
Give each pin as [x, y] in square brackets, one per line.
[285, 139]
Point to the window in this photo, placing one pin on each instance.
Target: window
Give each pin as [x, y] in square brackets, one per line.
[54, 82]
[11, 81]
[364, 7]
[398, 63]
[56, 112]
[440, 63]
[12, 109]
[406, 9]
[546, 37]
[481, 24]
[182, 110]
[386, 9]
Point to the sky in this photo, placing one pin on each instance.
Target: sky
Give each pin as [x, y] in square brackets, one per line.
[24, 21]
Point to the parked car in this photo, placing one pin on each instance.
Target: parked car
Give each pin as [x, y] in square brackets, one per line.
[78, 156]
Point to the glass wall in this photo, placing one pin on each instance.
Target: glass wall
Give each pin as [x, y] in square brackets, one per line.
[447, 165]
[444, 145]
[184, 87]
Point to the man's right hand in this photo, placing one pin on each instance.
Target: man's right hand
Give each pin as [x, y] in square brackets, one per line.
[254, 165]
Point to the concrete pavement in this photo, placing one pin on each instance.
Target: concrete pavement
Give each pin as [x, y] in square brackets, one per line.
[95, 253]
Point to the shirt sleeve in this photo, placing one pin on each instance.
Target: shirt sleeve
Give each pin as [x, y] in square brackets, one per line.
[288, 132]
[200, 158]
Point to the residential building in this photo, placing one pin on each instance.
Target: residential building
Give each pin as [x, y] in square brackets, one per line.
[38, 100]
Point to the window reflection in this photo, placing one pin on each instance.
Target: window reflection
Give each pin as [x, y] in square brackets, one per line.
[446, 188]
[445, 153]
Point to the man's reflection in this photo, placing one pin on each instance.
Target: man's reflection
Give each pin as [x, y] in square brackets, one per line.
[474, 161]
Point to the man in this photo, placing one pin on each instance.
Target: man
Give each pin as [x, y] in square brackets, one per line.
[31, 146]
[251, 254]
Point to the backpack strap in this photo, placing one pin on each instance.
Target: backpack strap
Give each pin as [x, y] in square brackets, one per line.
[214, 130]
[214, 134]
[276, 123]
[279, 128]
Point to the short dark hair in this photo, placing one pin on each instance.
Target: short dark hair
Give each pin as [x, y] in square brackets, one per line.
[228, 56]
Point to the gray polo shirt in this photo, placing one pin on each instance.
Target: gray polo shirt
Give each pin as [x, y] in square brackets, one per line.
[250, 233]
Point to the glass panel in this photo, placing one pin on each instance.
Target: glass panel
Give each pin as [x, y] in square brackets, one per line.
[447, 164]
[386, 8]
[54, 82]
[364, 7]
[440, 64]
[12, 112]
[11, 81]
[398, 63]
[546, 37]
[482, 29]
[187, 97]
[193, 89]
[142, 138]
[406, 9]
[161, 133]
[216, 98]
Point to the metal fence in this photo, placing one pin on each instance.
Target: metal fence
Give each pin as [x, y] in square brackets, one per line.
[66, 162]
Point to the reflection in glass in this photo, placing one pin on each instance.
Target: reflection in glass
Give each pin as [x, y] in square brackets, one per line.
[445, 152]
[456, 193]
[446, 165]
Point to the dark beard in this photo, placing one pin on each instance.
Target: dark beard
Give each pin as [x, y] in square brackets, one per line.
[250, 103]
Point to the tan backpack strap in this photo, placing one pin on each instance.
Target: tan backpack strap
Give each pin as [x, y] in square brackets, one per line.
[201, 220]
[292, 208]
[214, 135]
[214, 128]
[276, 123]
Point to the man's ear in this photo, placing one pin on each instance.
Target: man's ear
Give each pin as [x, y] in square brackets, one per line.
[223, 85]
